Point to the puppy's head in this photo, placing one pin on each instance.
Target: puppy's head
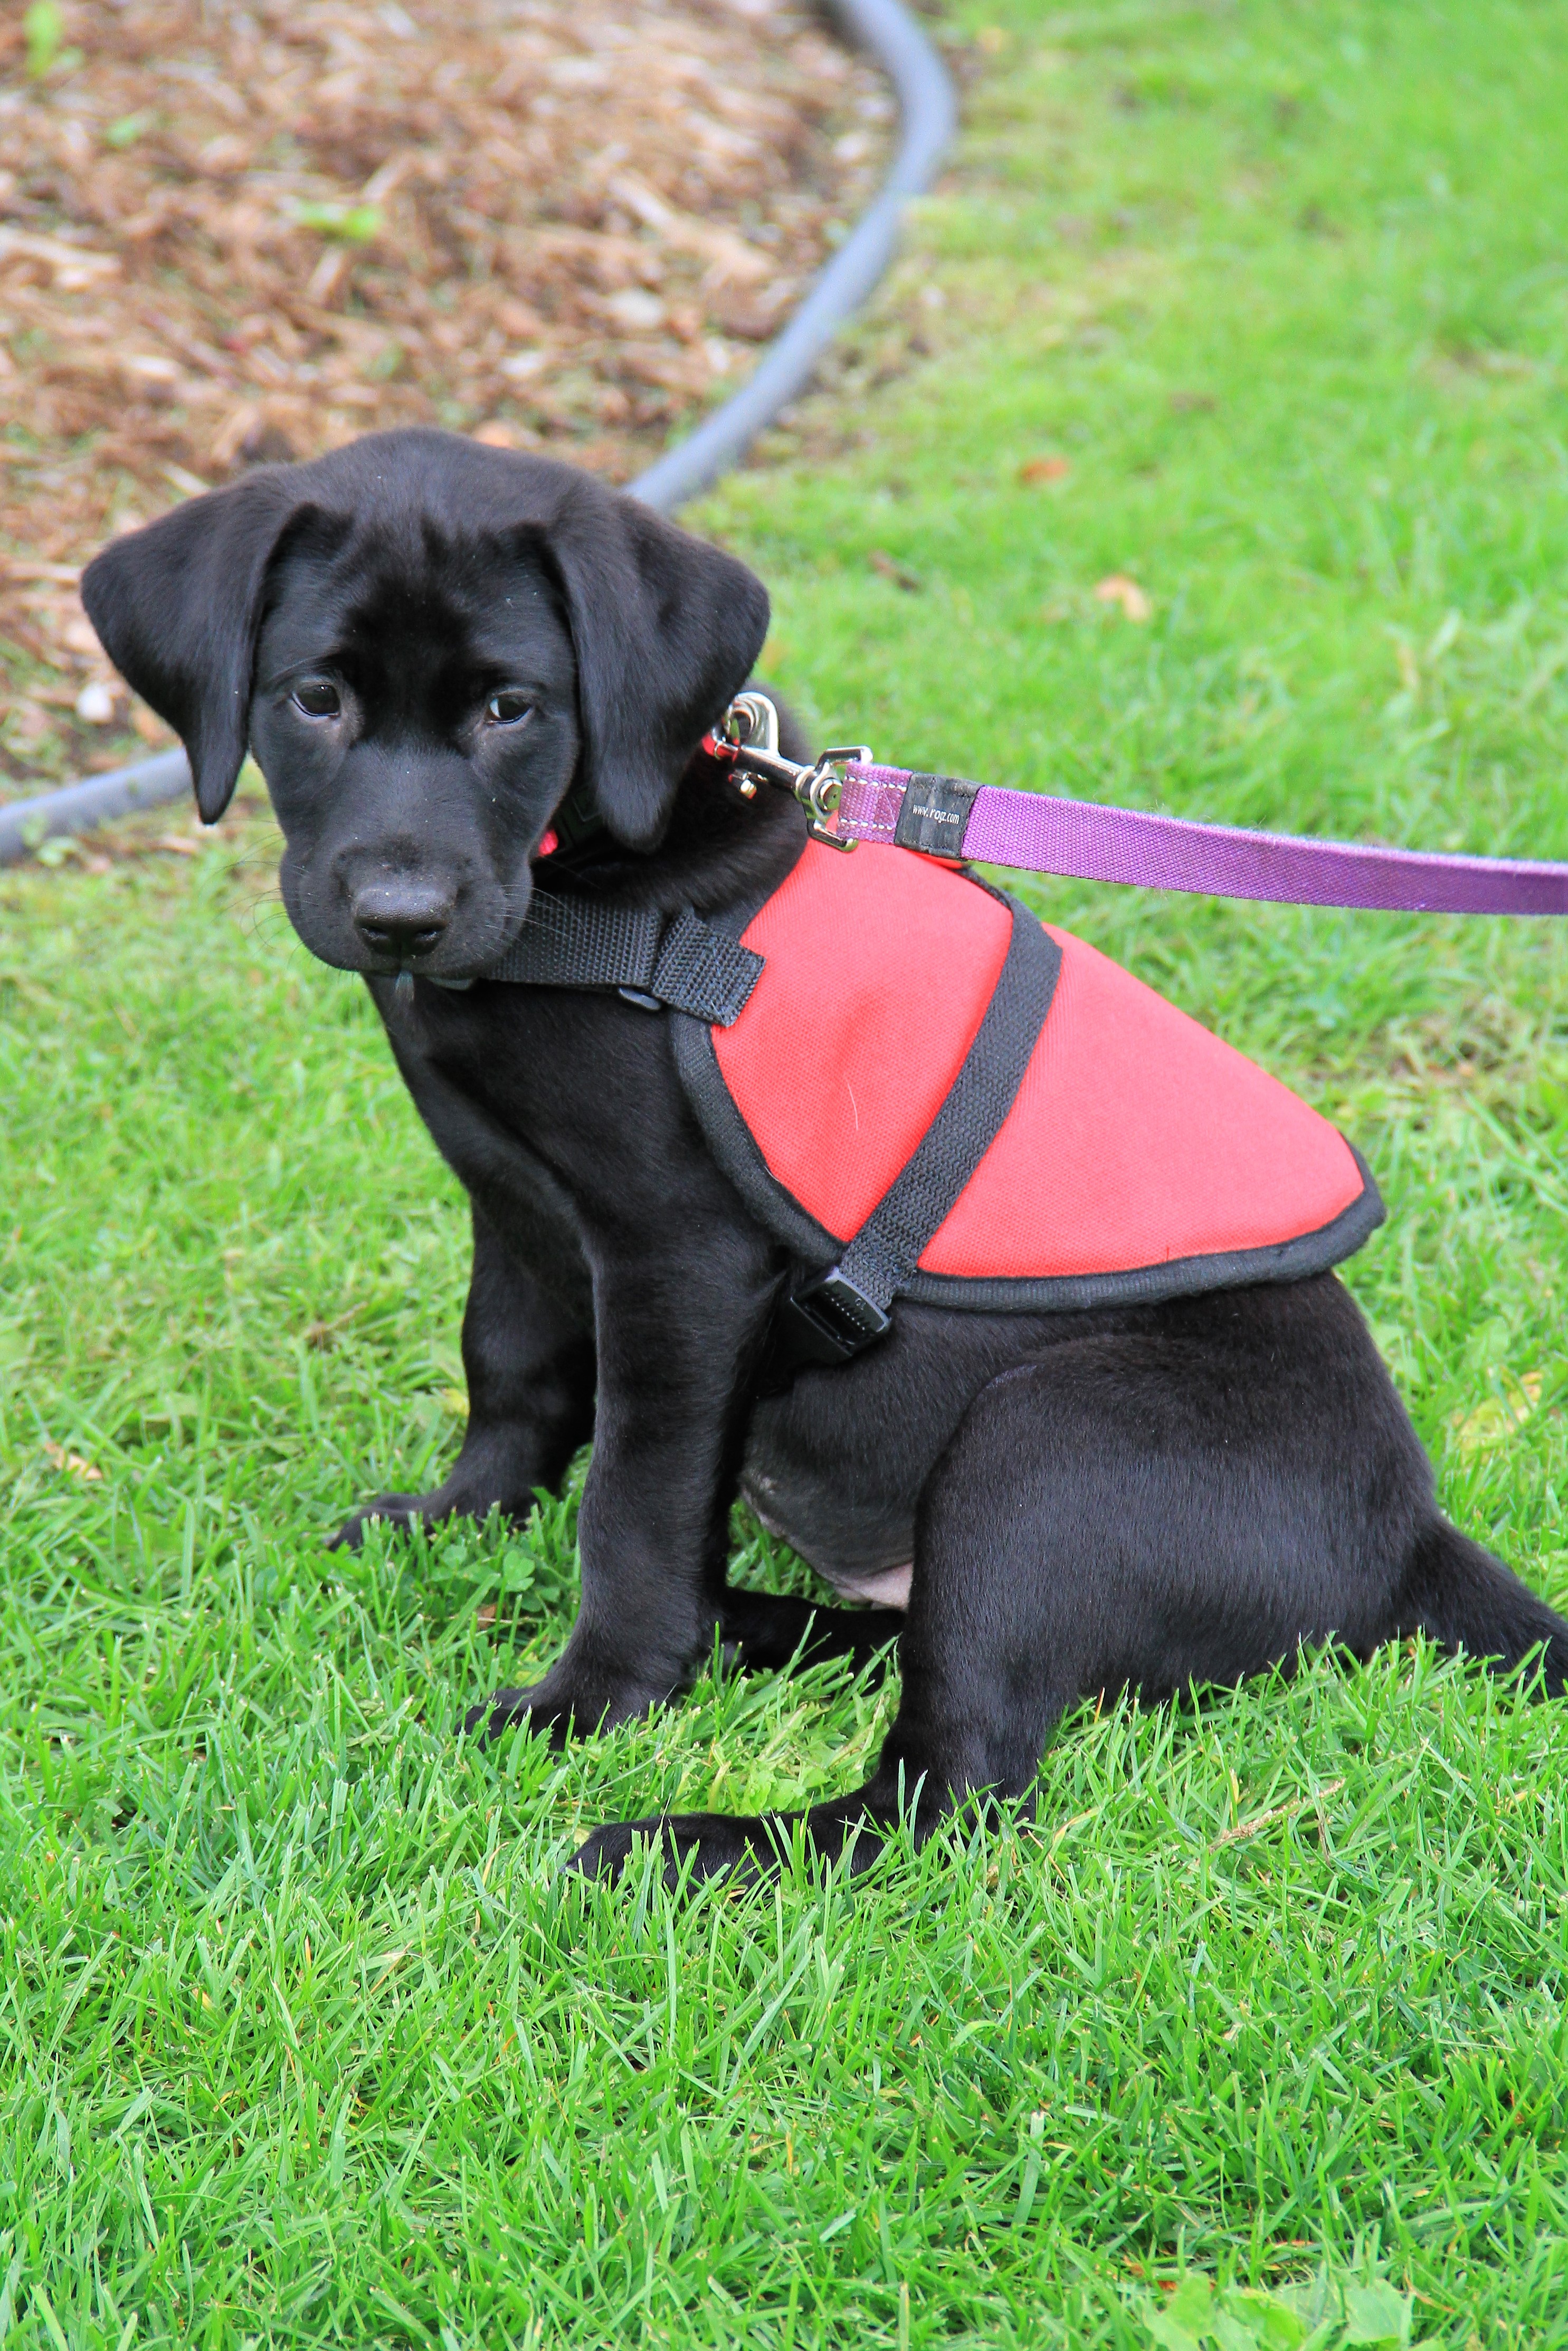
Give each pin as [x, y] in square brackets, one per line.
[427, 643]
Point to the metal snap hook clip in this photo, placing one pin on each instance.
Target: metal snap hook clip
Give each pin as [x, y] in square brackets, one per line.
[746, 738]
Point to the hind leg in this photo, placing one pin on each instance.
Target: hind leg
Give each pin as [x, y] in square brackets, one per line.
[763, 1630]
[1144, 1511]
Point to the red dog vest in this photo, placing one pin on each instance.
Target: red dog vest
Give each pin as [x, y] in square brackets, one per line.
[945, 1100]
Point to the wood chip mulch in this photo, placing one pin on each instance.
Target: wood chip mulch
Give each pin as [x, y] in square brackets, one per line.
[235, 233]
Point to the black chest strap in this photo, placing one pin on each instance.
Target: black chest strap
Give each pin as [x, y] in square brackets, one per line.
[652, 958]
[832, 1316]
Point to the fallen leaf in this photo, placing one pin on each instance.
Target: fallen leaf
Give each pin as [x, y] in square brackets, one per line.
[178, 844]
[1119, 589]
[486, 1614]
[1496, 1422]
[1242, 1829]
[324, 278]
[16, 568]
[888, 570]
[30, 725]
[635, 309]
[189, 484]
[72, 1463]
[1376, 2313]
[728, 255]
[234, 431]
[78, 636]
[1045, 469]
[75, 265]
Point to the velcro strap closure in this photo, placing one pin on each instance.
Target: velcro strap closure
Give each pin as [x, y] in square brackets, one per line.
[700, 971]
[680, 960]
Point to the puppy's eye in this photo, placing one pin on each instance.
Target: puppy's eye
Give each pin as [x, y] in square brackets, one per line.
[507, 709]
[317, 697]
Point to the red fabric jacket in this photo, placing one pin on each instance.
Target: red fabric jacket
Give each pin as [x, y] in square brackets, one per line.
[1136, 1155]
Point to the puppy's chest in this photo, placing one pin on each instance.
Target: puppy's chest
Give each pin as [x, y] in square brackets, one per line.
[577, 1098]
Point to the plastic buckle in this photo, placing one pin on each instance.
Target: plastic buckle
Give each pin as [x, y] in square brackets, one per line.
[829, 1320]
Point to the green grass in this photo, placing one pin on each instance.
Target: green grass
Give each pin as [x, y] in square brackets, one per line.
[306, 2040]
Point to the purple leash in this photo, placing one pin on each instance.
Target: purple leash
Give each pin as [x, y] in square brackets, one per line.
[1036, 833]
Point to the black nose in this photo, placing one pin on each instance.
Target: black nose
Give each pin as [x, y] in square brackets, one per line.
[404, 919]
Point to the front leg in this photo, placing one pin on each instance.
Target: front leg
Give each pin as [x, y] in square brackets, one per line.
[528, 1356]
[679, 1337]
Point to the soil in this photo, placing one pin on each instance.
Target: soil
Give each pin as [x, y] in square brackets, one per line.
[231, 234]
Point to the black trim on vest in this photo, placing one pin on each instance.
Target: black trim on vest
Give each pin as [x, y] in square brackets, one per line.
[1176, 1276]
[846, 1308]
[922, 1194]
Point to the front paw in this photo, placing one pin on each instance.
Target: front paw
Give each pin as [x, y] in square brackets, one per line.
[392, 1510]
[513, 1710]
[714, 1844]
[560, 1711]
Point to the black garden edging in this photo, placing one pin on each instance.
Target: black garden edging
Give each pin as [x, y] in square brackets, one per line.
[929, 113]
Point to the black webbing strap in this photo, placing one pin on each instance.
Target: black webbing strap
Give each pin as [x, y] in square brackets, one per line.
[673, 959]
[838, 1312]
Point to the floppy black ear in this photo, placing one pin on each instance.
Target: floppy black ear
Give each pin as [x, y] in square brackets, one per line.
[177, 607]
[667, 630]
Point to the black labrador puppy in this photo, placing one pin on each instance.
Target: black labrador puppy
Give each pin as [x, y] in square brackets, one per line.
[438, 652]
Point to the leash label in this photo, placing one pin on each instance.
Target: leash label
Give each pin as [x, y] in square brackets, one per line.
[934, 815]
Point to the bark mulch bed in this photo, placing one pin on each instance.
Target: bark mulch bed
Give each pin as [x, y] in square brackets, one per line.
[235, 233]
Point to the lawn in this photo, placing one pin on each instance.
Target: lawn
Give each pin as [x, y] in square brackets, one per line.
[306, 2040]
